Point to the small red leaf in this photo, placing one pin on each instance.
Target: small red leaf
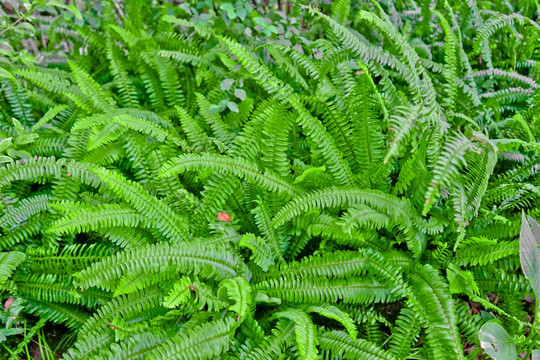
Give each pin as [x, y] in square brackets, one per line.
[223, 216]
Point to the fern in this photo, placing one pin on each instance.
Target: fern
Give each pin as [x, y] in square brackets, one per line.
[267, 180]
[211, 262]
[9, 261]
[304, 330]
[169, 223]
[433, 301]
[354, 290]
[343, 345]
[203, 342]
[93, 219]
[405, 334]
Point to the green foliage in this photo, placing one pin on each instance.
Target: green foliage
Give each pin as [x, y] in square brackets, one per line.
[269, 180]
[496, 341]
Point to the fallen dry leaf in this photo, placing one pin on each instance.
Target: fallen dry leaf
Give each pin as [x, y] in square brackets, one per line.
[8, 303]
[223, 216]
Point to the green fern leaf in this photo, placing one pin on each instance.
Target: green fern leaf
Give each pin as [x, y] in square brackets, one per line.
[206, 341]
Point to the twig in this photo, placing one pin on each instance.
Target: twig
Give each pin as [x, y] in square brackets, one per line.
[19, 20]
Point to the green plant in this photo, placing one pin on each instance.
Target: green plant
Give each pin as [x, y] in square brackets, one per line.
[273, 181]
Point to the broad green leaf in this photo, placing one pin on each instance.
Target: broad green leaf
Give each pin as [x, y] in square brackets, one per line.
[232, 106]
[71, 8]
[227, 7]
[241, 13]
[273, 29]
[6, 74]
[26, 27]
[226, 84]
[240, 93]
[19, 129]
[27, 59]
[6, 49]
[5, 159]
[4, 333]
[231, 14]
[260, 21]
[529, 252]
[214, 108]
[4, 144]
[75, 11]
[496, 342]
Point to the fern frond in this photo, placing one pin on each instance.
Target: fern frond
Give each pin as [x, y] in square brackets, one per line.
[127, 121]
[40, 169]
[9, 261]
[343, 197]
[69, 315]
[216, 263]
[135, 347]
[18, 102]
[193, 131]
[404, 334]
[306, 338]
[169, 223]
[263, 255]
[451, 66]
[48, 116]
[69, 259]
[494, 23]
[233, 166]
[354, 290]
[238, 291]
[367, 130]
[335, 313]
[219, 128]
[179, 294]
[402, 121]
[339, 264]
[91, 89]
[127, 306]
[341, 344]
[478, 251]
[311, 126]
[206, 341]
[56, 289]
[100, 217]
[271, 345]
[264, 223]
[24, 210]
[429, 295]
[274, 148]
[447, 168]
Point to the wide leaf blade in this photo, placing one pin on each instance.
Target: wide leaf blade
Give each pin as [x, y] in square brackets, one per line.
[496, 342]
[529, 252]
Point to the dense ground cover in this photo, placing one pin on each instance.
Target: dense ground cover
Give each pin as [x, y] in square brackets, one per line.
[275, 180]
